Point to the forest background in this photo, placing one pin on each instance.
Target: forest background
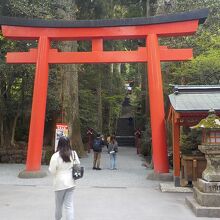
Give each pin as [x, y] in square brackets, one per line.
[91, 96]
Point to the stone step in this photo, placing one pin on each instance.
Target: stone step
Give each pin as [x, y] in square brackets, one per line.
[125, 140]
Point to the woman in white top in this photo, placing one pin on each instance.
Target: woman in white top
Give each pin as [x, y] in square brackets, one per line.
[60, 166]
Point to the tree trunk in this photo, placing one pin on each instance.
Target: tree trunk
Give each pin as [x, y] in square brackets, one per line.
[99, 97]
[111, 72]
[71, 105]
[1, 130]
[118, 67]
[13, 129]
[147, 8]
[67, 10]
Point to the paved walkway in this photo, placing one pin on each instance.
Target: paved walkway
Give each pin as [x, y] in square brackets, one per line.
[123, 194]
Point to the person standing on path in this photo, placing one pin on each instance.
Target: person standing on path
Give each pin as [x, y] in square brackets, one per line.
[97, 150]
[61, 164]
[112, 150]
[108, 140]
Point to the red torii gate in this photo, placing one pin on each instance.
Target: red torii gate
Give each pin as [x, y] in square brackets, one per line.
[96, 31]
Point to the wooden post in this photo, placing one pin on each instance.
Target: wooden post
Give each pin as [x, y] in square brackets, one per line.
[160, 157]
[176, 150]
[35, 142]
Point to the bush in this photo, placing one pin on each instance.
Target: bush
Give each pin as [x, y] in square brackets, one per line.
[190, 139]
[48, 152]
[146, 141]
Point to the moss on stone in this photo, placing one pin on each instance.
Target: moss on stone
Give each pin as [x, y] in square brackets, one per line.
[211, 121]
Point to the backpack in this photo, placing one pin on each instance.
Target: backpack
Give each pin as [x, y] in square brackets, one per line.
[97, 146]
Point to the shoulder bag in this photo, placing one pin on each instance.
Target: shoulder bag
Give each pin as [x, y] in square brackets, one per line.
[77, 170]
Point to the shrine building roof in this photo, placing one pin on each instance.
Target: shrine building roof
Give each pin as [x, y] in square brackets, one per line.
[195, 98]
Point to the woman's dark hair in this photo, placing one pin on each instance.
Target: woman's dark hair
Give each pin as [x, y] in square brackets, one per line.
[64, 148]
[112, 139]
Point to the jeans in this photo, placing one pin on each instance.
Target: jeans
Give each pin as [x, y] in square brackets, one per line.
[113, 161]
[64, 198]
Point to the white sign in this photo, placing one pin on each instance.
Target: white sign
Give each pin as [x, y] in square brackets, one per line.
[61, 130]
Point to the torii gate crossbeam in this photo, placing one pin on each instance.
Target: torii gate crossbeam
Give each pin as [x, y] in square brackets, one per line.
[97, 31]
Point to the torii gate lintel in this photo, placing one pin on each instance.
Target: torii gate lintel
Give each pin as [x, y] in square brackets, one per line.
[99, 56]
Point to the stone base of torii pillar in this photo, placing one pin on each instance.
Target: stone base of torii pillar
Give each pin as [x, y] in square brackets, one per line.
[32, 174]
[206, 193]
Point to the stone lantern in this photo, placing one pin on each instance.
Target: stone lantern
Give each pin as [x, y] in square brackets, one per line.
[206, 193]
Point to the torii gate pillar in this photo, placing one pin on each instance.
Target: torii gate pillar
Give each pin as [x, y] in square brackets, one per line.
[38, 106]
[36, 131]
[157, 115]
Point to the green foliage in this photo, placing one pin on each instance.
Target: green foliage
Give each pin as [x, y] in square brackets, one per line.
[135, 97]
[49, 151]
[15, 89]
[204, 69]
[112, 96]
[88, 112]
[16, 81]
[190, 139]
[53, 96]
[146, 145]
[30, 8]
[114, 103]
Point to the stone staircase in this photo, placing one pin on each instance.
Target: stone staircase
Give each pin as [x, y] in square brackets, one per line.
[125, 126]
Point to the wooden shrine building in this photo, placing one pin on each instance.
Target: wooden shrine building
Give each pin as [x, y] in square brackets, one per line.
[188, 105]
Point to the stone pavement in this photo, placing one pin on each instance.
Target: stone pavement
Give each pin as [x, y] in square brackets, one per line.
[123, 194]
